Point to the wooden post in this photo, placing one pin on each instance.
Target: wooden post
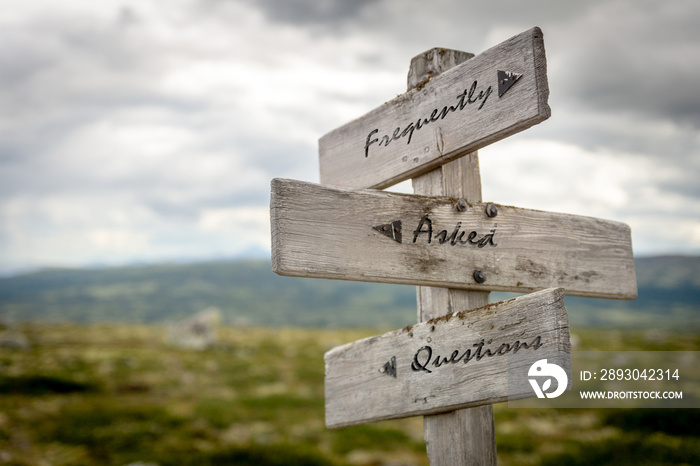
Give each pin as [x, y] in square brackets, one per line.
[467, 436]
[353, 232]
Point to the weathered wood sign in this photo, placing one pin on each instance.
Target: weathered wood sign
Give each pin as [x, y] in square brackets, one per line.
[367, 235]
[464, 359]
[455, 361]
[500, 92]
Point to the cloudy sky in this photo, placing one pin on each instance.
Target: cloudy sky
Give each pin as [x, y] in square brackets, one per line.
[143, 131]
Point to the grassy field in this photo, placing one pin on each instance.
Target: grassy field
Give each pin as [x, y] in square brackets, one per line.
[117, 394]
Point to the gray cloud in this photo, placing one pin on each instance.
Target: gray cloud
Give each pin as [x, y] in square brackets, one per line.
[328, 13]
[138, 118]
[642, 61]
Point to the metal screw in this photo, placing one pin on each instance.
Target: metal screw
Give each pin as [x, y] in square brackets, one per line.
[479, 276]
[462, 205]
[491, 210]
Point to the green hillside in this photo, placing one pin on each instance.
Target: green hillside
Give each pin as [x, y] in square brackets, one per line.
[668, 296]
[247, 292]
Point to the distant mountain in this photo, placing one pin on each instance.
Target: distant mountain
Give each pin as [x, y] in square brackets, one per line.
[668, 296]
[247, 292]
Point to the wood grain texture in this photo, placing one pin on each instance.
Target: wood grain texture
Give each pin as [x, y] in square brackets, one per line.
[462, 437]
[361, 388]
[433, 62]
[457, 179]
[450, 126]
[324, 232]
[465, 436]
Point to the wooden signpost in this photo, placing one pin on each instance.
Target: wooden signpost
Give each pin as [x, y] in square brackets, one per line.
[368, 235]
[456, 361]
[448, 242]
[497, 93]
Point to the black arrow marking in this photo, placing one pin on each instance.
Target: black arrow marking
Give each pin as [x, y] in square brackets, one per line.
[505, 80]
[389, 368]
[392, 230]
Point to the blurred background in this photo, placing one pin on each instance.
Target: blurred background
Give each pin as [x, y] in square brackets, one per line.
[137, 143]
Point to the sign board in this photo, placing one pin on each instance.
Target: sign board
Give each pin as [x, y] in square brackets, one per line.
[451, 362]
[377, 236]
[500, 92]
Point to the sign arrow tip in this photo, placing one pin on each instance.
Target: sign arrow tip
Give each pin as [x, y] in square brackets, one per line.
[505, 80]
[391, 230]
[389, 368]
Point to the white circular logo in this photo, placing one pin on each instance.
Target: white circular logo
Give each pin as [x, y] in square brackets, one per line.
[546, 372]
